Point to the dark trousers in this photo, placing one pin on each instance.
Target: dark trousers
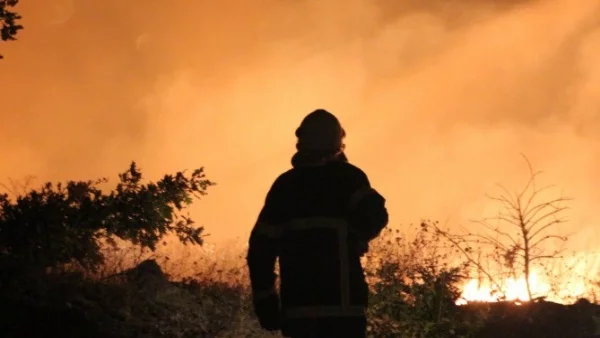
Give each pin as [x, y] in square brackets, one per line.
[335, 327]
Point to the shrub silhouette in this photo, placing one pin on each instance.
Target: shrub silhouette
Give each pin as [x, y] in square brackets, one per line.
[519, 237]
[60, 224]
[8, 21]
[415, 286]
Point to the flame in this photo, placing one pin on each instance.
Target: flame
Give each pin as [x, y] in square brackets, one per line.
[515, 290]
[562, 287]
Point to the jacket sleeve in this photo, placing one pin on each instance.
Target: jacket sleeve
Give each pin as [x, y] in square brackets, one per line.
[263, 248]
[367, 210]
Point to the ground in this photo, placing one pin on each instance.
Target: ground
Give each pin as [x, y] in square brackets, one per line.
[142, 302]
[539, 319]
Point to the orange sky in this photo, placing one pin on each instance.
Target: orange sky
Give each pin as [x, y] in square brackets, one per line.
[438, 100]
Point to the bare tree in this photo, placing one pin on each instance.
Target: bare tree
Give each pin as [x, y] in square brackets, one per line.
[519, 233]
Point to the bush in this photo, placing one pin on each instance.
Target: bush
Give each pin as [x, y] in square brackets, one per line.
[9, 19]
[414, 283]
[60, 224]
[415, 287]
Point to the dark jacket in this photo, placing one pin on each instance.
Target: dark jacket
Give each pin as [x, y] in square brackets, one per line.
[317, 219]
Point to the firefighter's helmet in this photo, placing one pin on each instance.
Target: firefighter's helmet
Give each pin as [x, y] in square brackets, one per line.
[320, 131]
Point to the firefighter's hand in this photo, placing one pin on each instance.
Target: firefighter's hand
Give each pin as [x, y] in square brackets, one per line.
[268, 312]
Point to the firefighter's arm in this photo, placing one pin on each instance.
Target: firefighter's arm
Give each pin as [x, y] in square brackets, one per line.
[261, 258]
[368, 212]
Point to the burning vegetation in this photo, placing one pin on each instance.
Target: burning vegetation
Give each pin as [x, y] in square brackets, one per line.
[80, 261]
[512, 248]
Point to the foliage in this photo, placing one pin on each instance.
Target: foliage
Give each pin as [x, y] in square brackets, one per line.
[60, 224]
[213, 303]
[8, 20]
[518, 235]
[415, 287]
[414, 279]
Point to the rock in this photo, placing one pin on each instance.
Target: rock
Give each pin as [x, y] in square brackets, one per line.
[148, 276]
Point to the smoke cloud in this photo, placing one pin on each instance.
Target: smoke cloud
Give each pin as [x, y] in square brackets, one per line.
[438, 99]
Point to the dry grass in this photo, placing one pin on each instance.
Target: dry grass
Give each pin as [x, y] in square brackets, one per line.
[207, 293]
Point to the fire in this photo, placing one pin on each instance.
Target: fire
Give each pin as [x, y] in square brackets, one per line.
[563, 287]
[514, 290]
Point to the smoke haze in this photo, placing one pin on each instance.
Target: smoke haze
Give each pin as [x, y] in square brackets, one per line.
[438, 100]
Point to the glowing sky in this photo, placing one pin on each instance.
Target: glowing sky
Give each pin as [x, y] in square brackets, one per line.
[437, 100]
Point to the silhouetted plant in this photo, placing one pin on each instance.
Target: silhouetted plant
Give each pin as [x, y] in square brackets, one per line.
[8, 20]
[64, 223]
[517, 234]
[415, 287]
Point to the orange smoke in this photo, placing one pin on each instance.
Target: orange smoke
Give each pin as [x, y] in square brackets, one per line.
[438, 97]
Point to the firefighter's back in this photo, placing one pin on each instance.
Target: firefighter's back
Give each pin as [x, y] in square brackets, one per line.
[318, 218]
[321, 277]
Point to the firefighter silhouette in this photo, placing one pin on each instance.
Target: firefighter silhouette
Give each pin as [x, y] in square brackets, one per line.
[317, 219]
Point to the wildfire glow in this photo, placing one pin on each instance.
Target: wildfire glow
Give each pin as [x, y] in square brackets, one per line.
[515, 290]
[564, 287]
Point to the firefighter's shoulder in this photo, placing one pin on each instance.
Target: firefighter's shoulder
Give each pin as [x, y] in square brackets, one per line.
[283, 180]
[353, 173]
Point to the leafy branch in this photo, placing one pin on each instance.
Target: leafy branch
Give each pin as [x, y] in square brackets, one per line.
[64, 223]
[8, 21]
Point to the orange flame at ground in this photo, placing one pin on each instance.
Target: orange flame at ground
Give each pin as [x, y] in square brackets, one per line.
[580, 281]
[515, 290]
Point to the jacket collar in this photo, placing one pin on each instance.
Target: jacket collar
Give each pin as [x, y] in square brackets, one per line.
[311, 159]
